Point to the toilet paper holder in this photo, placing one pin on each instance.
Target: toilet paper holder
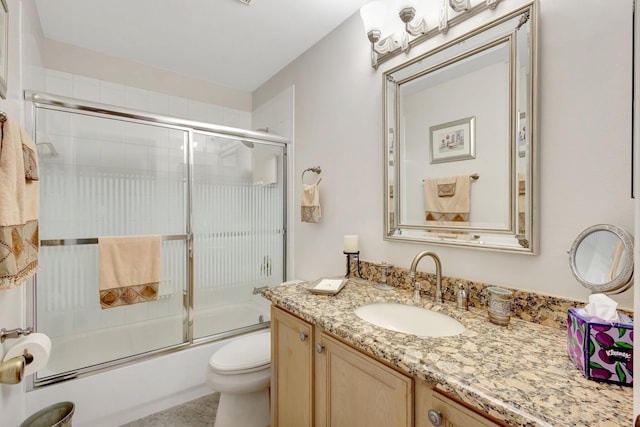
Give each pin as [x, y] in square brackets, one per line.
[14, 333]
[12, 370]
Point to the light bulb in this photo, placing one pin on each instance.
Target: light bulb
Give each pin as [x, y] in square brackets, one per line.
[373, 14]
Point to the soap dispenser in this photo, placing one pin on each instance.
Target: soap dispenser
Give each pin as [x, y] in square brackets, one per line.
[463, 298]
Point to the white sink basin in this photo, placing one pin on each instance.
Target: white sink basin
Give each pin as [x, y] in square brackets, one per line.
[410, 320]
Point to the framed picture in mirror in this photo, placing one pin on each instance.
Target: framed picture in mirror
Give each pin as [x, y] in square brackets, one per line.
[453, 141]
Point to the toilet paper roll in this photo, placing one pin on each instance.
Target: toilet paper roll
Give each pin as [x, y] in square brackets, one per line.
[36, 344]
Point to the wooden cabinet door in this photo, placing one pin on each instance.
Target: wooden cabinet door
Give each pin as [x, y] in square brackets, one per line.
[447, 412]
[354, 390]
[291, 370]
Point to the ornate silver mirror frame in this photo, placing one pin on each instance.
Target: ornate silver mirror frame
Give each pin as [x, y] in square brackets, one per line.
[601, 259]
[414, 157]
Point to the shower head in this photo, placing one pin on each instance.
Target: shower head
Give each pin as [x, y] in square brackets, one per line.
[250, 144]
[46, 149]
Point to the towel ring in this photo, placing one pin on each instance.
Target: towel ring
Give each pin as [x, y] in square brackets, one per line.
[315, 169]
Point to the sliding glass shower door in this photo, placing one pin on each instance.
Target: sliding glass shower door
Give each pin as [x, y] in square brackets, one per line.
[216, 196]
[108, 177]
[238, 233]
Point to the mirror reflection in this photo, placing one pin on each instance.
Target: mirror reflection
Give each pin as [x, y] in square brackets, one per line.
[459, 162]
[438, 149]
[601, 259]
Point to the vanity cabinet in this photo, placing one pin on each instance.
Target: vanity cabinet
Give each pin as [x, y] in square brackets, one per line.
[318, 380]
[436, 409]
[291, 370]
[353, 389]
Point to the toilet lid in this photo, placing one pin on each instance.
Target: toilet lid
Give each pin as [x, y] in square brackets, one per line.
[246, 353]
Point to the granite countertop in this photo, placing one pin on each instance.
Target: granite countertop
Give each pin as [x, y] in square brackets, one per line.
[519, 373]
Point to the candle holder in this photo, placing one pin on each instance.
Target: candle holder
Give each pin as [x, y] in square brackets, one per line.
[355, 255]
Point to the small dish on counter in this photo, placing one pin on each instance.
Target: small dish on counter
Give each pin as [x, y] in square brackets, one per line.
[327, 286]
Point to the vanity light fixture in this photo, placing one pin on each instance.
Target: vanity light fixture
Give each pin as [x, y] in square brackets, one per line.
[443, 21]
[415, 27]
[412, 26]
[460, 5]
[373, 16]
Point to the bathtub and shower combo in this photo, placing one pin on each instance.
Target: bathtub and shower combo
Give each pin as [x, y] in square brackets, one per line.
[216, 195]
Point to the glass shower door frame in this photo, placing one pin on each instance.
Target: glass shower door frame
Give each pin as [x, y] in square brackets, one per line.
[50, 102]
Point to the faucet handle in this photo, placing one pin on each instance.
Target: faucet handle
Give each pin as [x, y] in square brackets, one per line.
[416, 290]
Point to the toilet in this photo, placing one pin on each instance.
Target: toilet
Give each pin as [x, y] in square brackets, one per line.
[241, 372]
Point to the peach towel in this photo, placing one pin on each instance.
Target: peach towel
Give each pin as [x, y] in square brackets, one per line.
[452, 208]
[19, 204]
[310, 204]
[129, 269]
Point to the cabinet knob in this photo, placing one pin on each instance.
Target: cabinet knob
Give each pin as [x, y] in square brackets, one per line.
[319, 348]
[435, 417]
[303, 336]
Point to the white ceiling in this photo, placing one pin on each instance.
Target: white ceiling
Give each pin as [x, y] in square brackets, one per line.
[220, 41]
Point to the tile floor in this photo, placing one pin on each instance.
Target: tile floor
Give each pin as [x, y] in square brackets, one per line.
[200, 412]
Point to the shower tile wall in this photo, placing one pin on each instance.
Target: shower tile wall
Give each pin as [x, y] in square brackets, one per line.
[75, 86]
[276, 114]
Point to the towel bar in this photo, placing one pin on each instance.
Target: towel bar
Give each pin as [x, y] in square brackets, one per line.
[94, 240]
[14, 333]
[473, 176]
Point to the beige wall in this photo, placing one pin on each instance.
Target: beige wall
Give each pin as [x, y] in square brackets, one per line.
[584, 147]
[76, 60]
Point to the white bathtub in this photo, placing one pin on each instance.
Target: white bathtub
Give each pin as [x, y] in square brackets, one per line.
[72, 352]
[122, 394]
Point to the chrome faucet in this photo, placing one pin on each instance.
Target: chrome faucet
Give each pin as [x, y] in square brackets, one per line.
[416, 284]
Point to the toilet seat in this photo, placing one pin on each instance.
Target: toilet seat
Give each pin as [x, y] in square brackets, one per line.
[247, 354]
[241, 372]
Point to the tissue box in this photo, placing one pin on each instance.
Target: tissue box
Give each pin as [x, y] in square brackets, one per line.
[602, 350]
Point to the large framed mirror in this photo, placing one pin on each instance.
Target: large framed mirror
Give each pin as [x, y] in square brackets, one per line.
[460, 140]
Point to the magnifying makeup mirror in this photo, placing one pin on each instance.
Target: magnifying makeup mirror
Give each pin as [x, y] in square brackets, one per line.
[601, 259]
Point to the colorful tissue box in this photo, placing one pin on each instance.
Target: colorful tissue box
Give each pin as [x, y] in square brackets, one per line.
[602, 350]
